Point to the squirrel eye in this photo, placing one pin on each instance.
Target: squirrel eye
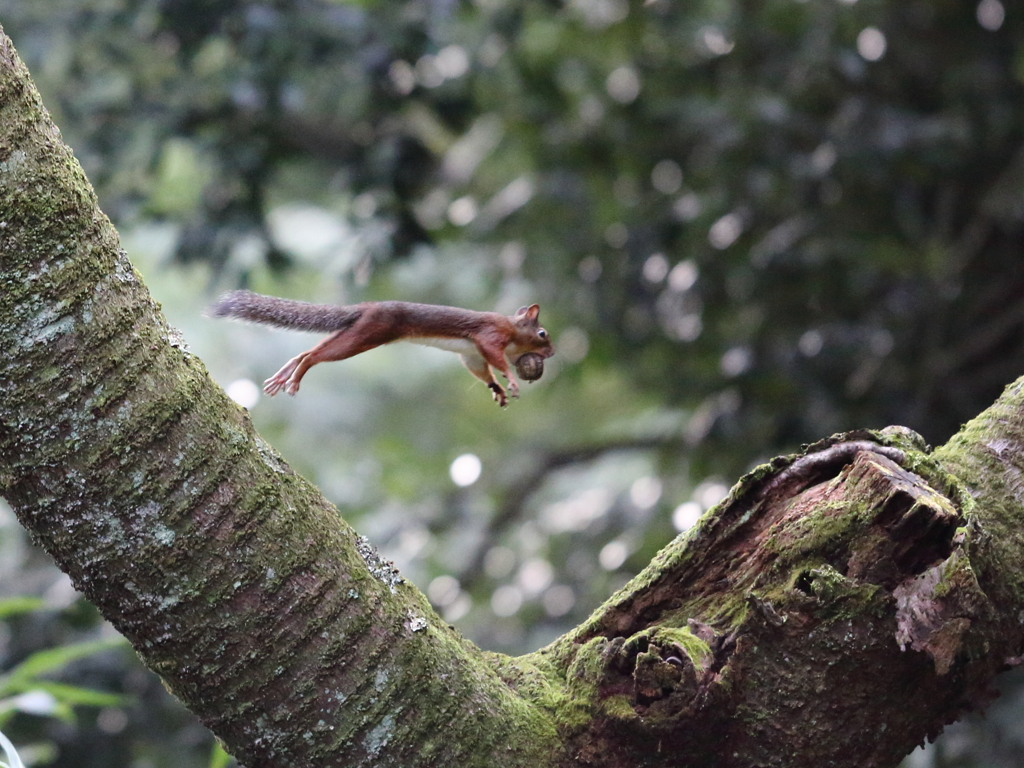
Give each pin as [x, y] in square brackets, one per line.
[541, 333]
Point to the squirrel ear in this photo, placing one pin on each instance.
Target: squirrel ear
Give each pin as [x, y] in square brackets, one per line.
[530, 312]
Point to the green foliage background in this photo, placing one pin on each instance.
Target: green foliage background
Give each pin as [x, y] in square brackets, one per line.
[749, 224]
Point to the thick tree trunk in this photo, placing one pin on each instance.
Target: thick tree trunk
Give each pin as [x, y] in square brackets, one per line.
[836, 609]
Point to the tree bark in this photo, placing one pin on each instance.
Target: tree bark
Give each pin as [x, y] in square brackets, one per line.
[836, 609]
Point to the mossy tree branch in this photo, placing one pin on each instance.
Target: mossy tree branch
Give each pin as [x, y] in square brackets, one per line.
[835, 609]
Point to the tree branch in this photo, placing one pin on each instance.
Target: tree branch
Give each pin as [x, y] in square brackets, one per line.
[835, 609]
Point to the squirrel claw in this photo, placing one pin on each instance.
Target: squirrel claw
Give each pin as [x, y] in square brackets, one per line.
[498, 394]
[272, 386]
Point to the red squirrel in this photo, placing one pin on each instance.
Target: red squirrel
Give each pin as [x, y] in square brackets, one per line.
[483, 340]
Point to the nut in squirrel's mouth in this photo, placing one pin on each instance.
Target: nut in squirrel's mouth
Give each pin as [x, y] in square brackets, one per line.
[529, 366]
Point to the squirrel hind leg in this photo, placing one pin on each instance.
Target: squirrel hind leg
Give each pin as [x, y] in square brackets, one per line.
[338, 346]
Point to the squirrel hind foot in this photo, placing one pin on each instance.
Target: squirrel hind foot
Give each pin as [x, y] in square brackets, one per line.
[272, 386]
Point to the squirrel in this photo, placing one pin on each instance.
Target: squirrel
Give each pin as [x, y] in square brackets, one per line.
[483, 340]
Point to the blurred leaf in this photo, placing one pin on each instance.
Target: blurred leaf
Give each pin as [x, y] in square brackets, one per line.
[37, 702]
[23, 675]
[218, 757]
[75, 696]
[13, 606]
[32, 702]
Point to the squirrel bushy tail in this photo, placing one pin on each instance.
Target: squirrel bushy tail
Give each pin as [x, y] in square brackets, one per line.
[284, 313]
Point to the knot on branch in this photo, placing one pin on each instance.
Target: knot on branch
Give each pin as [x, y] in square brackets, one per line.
[660, 672]
[664, 664]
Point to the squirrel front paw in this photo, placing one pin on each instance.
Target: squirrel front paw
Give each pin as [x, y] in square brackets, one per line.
[498, 394]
